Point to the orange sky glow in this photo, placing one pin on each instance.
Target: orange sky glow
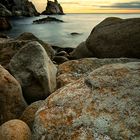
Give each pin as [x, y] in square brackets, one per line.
[94, 6]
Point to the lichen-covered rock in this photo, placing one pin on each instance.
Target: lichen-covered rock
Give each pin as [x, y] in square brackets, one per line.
[29, 113]
[34, 70]
[73, 70]
[53, 8]
[9, 47]
[15, 130]
[12, 103]
[104, 105]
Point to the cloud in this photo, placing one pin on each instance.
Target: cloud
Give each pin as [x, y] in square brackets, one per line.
[126, 5]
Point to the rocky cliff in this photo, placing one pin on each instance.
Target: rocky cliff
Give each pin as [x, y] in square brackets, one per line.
[17, 8]
[53, 8]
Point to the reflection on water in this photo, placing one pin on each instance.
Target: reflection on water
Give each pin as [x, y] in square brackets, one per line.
[59, 34]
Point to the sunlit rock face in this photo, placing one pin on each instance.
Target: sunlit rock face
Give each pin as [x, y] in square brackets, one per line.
[19, 8]
[53, 8]
[103, 105]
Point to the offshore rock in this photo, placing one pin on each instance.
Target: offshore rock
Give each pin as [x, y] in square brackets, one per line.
[35, 72]
[53, 8]
[104, 105]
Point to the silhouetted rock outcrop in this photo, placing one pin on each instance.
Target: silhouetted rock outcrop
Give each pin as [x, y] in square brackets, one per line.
[53, 8]
[5, 24]
[17, 8]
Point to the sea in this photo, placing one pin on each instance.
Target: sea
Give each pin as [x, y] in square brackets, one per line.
[59, 34]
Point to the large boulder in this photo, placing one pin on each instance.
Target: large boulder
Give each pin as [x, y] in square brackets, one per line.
[12, 103]
[15, 130]
[34, 70]
[104, 105]
[114, 38]
[9, 47]
[4, 12]
[20, 7]
[73, 70]
[53, 8]
[5, 24]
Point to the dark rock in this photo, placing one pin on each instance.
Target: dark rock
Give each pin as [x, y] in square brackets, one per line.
[5, 24]
[81, 52]
[20, 7]
[12, 103]
[103, 106]
[4, 12]
[53, 8]
[35, 72]
[47, 20]
[60, 59]
[15, 130]
[62, 53]
[115, 37]
[112, 38]
[3, 36]
[75, 33]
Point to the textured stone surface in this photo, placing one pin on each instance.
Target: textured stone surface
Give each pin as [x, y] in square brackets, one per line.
[53, 8]
[73, 70]
[15, 130]
[4, 12]
[113, 38]
[29, 113]
[12, 103]
[34, 70]
[104, 105]
[19, 7]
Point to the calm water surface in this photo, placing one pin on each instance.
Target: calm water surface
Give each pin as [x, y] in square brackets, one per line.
[59, 33]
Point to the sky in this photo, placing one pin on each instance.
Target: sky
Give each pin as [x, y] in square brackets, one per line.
[94, 6]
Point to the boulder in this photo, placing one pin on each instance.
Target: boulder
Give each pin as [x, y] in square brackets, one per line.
[31, 37]
[34, 70]
[104, 105]
[112, 38]
[12, 103]
[4, 12]
[47, 20]
[73, 70]
[5, 24]
[53, 8]
[60, 59]
[81, 52]
[115, 37]
[15, 130]
[29, 113]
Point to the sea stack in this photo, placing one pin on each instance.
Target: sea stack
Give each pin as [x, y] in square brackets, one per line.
[53, 8]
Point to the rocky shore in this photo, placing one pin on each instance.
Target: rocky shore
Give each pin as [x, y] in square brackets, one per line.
[90, 92]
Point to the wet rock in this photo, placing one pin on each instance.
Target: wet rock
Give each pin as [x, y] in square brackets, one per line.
[71, 71]
[47, 20]
[104, 105]
[34, 70]
[12, 103]
[5, 24]
[15, 130]
[29, 113]
[53, 8]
